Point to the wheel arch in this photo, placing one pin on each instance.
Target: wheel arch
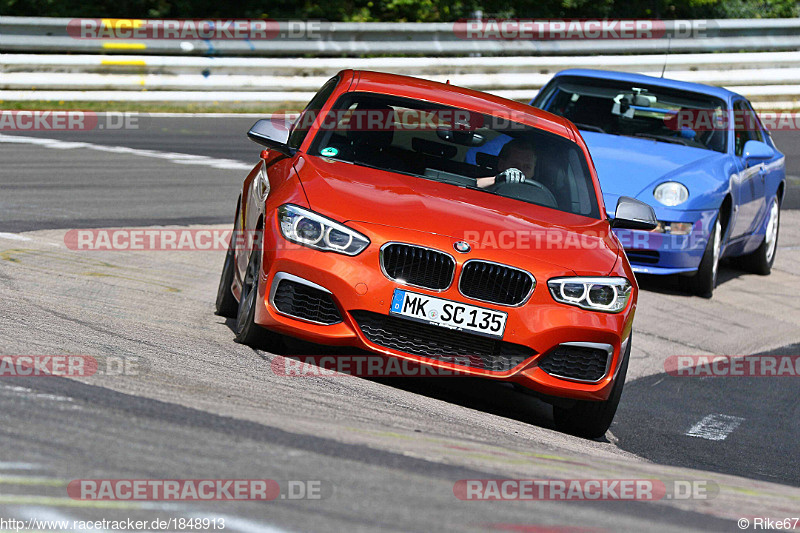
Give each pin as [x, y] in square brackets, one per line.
[781, 191]
[726, 213]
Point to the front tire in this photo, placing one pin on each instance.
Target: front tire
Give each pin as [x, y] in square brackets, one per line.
[592, 419]
[247, 331]
[760, 261]
[226, 304]
[705, 280]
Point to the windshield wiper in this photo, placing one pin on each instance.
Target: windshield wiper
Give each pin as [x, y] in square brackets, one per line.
[663, 138]
[589, 127]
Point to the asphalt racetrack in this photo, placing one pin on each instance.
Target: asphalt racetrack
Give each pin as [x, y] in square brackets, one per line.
[385, 454]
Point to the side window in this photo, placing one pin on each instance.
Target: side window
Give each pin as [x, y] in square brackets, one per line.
[306, 118]
[747, 126]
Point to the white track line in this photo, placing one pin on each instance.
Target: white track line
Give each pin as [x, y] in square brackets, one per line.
[24, 392]
[11, 465]
[181, 159]
[14, 237]
[715, 427]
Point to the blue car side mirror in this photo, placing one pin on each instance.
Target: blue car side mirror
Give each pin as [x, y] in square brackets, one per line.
[756, 152]
[634, 214]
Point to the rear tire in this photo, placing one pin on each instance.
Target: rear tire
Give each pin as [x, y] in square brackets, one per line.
[760, 261]
[592, 419]
[247, 331]
[705, 280]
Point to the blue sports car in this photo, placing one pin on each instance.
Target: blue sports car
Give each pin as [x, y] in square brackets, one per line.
[698, 154]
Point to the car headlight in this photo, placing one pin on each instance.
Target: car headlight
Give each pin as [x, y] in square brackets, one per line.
[671, 193]
[610, 295]
[311, 229]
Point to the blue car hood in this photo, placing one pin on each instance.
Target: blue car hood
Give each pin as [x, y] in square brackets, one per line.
[628, 166]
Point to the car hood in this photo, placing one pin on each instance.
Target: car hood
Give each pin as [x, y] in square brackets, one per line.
[628, 166]
[351, 193]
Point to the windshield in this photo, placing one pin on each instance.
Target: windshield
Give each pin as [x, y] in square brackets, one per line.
[458, 147]
[637, 110]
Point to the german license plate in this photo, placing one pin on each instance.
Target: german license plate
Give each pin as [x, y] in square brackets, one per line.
[448, 314]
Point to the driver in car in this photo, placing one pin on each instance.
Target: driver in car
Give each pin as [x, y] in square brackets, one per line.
[516, 162]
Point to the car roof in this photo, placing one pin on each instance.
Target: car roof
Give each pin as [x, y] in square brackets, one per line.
[446, 94]
[719, 92]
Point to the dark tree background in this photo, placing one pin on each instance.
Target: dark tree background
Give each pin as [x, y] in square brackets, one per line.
[402, 10]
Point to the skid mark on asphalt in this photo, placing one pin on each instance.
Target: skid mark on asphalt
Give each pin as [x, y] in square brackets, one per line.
[70, 263]
[715, 427]
[179, 158]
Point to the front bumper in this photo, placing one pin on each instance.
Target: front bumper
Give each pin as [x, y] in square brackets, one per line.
[651, 252]
[360, 289]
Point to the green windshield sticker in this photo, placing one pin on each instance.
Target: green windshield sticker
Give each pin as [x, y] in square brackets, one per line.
[329, 151]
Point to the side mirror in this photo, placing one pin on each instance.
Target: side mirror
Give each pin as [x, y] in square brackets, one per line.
[266, 133]
[756, 152]
[633, 214]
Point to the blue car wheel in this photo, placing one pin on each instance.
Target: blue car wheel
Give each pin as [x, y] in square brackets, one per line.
[704, 282]
[760, 261]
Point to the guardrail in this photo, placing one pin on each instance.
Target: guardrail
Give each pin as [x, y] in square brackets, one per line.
[170, 70]
[771, 81]
[49, 35]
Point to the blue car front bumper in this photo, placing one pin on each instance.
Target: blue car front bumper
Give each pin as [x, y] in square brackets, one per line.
[653, 252]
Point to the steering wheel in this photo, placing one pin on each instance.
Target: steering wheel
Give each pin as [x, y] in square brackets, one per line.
[534, 183]
[549, 199]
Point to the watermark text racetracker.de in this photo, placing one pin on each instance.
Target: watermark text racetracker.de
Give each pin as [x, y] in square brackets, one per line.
[681, 236]
[578, 29]
[584, 489]
[195, 29]
[369, 366]
[685, 121]
[70, 365]
[398, 119]
[733, 366]
[678, 236]
[698, 121]
[178, 239]
[74, 120]
[198, 489]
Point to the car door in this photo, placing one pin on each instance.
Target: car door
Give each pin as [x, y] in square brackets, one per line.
[749, 181]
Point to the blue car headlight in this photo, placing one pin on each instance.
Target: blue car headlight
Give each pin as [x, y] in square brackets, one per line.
[671, 193]
[610, 294]
[303, 226]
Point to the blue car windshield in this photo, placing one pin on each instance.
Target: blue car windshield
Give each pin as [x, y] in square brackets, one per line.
[638, 110]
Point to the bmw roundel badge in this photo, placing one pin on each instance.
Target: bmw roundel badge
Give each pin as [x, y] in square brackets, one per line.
[462, 247]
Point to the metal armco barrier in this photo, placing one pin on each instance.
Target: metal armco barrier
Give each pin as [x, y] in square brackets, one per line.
[320, 38]
[174, 70]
